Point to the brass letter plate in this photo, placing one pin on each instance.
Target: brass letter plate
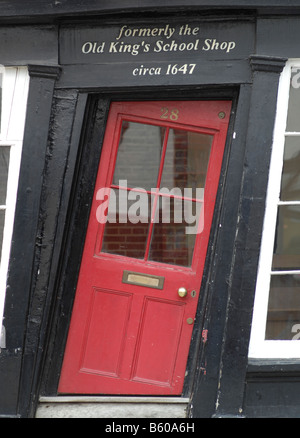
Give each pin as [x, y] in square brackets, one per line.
[145, 280]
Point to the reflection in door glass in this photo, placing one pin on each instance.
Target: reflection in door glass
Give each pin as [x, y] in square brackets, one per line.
[139, 155]
[148, 157]
[174, 231]
[126, 231]
[186, 160]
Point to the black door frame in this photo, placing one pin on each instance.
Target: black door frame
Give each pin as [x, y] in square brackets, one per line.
[83, 187]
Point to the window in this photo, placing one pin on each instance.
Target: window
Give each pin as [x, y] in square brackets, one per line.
[276, 318]
[13, 100]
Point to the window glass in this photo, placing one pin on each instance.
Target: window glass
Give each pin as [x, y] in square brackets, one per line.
[2, 217]
[1, 77]
[284, 294]
[290, 182]
[287, 238]
[277, 304]
[283, 319]
[4, 162]
[293, 118]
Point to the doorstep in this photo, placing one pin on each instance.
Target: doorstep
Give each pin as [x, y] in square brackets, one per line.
[112, 407]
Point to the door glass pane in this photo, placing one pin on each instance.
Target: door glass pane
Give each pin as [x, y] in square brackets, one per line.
[287, 240]
[293, 119]
[127, 224]
[174, 231]
[137, 166]
[4, 162]
[139, 155]
[186, 161]
[290, 183]
[283, 320]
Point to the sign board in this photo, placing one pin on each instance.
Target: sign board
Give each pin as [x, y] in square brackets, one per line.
[157, 50]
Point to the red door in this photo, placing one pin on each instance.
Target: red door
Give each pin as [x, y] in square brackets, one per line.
[145, 248]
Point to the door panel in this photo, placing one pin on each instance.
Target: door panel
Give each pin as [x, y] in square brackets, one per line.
[103, 344]
[147, 237]
[157, 345]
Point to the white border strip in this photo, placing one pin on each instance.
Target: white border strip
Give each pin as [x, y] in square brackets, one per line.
[14, 103]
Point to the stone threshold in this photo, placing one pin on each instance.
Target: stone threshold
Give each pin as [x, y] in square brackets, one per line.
[112, 407]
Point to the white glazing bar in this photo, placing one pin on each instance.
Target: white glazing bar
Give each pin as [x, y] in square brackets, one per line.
[295, 272]
[289, 203]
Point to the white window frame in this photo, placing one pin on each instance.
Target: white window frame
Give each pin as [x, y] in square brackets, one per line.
[259, 347]
[15, 86]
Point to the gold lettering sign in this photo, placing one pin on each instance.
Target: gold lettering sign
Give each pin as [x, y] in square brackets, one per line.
[145, 280]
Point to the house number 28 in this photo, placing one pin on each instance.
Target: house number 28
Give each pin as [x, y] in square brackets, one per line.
[172, 114]
[296, 329]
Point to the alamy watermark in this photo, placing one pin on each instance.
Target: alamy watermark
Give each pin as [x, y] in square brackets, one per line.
[295, 79]
[135, 205]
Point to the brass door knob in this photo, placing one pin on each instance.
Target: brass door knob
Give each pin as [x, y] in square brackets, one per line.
[182, 292]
